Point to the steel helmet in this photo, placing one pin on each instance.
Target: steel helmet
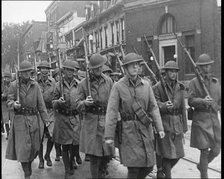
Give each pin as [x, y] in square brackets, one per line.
[70, 64]
[204, 59]
[7, 74]
[25, 66]
[132, 57]
[96, 60]
[170, 65]
[44, 64]
[106, 69]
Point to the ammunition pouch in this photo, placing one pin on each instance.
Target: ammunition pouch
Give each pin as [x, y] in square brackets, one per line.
[190, 112]
[99, 110]
[127, 117]
[141, 114]
[26, 111]
[67, 112]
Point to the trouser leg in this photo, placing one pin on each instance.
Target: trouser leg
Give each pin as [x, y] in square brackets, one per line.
[144, 171]
[50, 144]
[65, 157]
[167, 167]
[94, 166]
[133, 172]
[77, 155]
[58, 149]
[204, 163]
[103, 166]
[7, 129]
[174, 162]
[40, 155]
[72, 155]
[26, 168]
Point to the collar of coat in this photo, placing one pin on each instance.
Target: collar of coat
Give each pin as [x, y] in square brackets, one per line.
[177, 84]
[48, 81]
[74, 82]
[129, 82]
[99, 79]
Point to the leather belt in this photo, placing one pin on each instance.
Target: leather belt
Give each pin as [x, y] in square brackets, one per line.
[67, 112]
[96, 110]
[25, 111]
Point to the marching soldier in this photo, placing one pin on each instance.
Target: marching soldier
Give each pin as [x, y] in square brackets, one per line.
[47, 85]
[133, 97]
[55, 75]
[106, 70]
[94, 108]
[173, 114]
[205, 129]
[67, 124]
[7, 114]
[24, 138]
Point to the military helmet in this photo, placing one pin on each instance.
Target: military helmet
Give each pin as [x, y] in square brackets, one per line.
[44, 64]
[25, 66]
[170, 65]
[70, 64]
[204, 59]
[106, 68]
[132, 57]
[7, 74]
[96, 60]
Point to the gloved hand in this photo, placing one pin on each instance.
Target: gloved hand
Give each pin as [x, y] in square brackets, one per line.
[61, 101]
[169, 105]
[16, 105]
[88, 101]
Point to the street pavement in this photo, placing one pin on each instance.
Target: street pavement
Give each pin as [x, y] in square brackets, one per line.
[183, 169]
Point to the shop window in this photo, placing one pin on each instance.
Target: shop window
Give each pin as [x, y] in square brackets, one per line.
[190, 46]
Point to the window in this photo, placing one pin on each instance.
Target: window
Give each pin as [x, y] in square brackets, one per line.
[96, 39]
[117, 31]
[189, 41]
[122, 29]
[167, 25]
[106, 38]
[101, 39]
[112, 33]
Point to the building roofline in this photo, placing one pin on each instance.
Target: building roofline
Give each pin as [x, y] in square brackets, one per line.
[68, 14]
[51, 4]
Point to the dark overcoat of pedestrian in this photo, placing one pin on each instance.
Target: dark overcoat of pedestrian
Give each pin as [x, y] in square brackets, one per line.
[67, 127]
[93, 125]
[25, 132]
[174, 123]
[136, 149]
[205, 129]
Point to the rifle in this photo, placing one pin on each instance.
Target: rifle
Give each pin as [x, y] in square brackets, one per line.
[17, 76]
[196, 69]
[87, 69]
[60, 74]
[149, 69]
[119, 61]
[158, 68]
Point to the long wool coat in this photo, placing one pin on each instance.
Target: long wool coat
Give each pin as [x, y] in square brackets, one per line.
[7, 114]
[66, 128]
[25, 132]
[93, 125]
[175, 125]
[47, 89]
[206, 129]
[136, 149]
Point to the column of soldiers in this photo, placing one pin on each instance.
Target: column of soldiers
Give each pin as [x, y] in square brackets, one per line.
[153, 118]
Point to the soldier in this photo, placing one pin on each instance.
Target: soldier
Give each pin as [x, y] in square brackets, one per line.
[24, 138]
[106, 70]
[47, 85]
[173, 114]
[205, 129]
[6, 113]
[94, 106]
[133, 97]
[67, 124]
[115, 76]
[55, 75]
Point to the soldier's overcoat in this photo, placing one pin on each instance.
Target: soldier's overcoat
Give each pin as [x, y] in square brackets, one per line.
[67, 127]
[93, 125]
[136, 149]
[174, 123]
[25, 132]
[47, 89]
[205, 129]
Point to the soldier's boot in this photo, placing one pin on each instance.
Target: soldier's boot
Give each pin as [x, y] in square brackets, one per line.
[77, 155]
[65, 158]
[167, 167]
[7, 131]
[26, 169]
[58, 151]
[40, 155]
[48, 151]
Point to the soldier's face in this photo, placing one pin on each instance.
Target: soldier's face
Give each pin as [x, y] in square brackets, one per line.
[57, 78]
[97, 71]
[206, 68]
[26, 74]
[7, 79]
[68, 72]
[44, 71]
[172, 74]
[133, 68]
